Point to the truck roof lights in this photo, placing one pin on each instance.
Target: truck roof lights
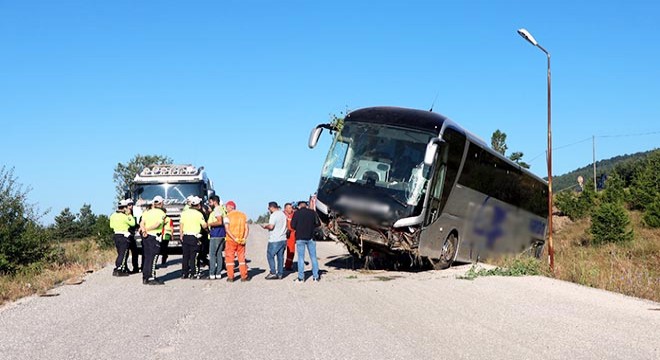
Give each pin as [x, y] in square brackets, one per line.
[171, 170]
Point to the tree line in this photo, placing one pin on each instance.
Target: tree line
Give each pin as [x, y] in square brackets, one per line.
[624, 163]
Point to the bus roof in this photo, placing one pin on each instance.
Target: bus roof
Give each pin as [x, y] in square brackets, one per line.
[389, 115]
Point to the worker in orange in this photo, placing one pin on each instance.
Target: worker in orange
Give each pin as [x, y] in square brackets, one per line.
[291, 238]
[237, 233]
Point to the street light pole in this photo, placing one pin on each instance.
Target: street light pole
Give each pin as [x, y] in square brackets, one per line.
[551, 251]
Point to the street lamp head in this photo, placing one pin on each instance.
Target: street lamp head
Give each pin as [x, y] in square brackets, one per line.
[527, 36]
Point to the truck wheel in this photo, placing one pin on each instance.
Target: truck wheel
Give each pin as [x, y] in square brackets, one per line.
[448, 254]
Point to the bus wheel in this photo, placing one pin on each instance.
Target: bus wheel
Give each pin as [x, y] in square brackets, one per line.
[447, 255]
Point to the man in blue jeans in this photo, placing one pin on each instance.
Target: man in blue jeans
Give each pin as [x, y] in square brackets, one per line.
[217, 235]
[304, 222]
[276, 240]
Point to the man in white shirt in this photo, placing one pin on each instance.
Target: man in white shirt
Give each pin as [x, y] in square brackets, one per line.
[276, 240]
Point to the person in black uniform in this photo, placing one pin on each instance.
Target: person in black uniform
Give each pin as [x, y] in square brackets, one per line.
[132, 243]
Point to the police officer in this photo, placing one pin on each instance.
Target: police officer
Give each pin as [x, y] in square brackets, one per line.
[132, 244]
[192, 223]
[151, 229]
[204, 247]
[120, 222]
[168, 231]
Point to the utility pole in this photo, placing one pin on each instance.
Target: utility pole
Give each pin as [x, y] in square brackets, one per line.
[593, 142]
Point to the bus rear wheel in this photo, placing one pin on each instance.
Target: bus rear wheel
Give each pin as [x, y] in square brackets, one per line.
[448, 254]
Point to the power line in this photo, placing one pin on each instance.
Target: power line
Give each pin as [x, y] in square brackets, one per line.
[597, 136]
[628, 135]
[561, 147]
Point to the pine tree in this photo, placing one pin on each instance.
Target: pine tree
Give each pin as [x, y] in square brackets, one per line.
[66, 226]
[614, 192]
[645, 187]
[652, 214]
[86, 221]
[609, 224]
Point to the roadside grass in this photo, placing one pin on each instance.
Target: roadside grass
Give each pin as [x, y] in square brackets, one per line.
[508, 266]
[74, 260]
[631, 268]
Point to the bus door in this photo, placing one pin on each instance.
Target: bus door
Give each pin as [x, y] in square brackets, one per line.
[447, 163]
[436, 186]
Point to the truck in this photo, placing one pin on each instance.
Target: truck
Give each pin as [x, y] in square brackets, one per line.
[174, 183]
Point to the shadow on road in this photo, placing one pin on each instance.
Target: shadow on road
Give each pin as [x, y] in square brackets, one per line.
[252, 272]
[348, 262]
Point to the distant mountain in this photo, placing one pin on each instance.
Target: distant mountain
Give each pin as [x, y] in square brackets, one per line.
[603, 166]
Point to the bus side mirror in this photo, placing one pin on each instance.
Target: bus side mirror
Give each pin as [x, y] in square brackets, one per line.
[314, 136]
[316, 133]
[431, 149]
[127, 193]
[209, 193]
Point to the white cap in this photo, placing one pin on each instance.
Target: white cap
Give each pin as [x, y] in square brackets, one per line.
[157, 199]
[123, 203]
[190, 198]
[195, 200]
[129, 201]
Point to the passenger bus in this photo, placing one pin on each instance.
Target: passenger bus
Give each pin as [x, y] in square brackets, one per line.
[414, 187]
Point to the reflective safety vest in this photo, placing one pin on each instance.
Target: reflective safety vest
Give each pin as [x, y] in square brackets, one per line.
[192, 221]
[152, 217]
[120, 222]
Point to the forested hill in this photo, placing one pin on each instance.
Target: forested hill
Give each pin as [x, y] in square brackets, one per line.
[603, 166]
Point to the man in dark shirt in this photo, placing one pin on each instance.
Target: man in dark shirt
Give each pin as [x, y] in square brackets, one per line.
[304, 222]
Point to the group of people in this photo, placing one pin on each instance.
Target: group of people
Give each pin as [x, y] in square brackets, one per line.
[221, 228]
[293, 231]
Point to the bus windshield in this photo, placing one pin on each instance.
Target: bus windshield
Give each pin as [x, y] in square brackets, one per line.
[172, 193]
[380, 156]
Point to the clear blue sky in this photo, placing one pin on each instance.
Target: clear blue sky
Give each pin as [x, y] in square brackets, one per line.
[237, 85]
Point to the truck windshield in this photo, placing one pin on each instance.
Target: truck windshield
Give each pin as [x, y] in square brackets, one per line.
[380, 156]
[173, 193]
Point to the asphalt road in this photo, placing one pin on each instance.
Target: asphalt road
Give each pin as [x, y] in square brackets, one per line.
[348, 315]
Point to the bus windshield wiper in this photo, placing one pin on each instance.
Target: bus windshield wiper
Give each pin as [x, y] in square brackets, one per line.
[395, 198]
[342, 182]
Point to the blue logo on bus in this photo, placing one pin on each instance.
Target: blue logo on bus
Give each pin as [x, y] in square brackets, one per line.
[490, 226]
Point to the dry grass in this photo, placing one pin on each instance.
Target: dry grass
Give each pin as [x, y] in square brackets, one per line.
[632, 268]
[78, 258]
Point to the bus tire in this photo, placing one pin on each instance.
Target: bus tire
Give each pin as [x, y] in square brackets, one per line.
[449, 248]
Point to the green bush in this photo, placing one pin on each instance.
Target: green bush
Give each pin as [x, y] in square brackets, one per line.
[22, 240]
[103, 232]
[576, 205]
[518, 266]
[609, 224]
[652, 214]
